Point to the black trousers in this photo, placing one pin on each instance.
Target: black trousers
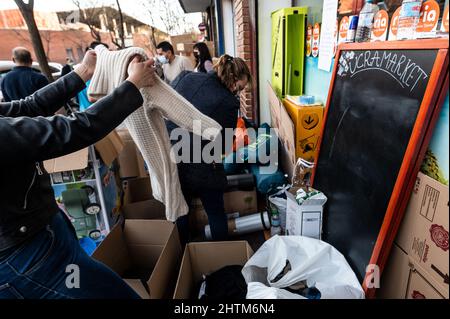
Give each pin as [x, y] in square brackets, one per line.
[212, 201]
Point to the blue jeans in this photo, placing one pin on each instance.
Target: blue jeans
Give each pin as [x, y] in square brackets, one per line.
[212, 201]
[43, 268]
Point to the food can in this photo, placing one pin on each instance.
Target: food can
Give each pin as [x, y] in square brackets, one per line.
[352, 26]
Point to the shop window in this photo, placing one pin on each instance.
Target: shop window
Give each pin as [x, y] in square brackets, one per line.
[69, 54]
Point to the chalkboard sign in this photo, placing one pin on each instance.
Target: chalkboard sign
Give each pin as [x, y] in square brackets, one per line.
[376, 104]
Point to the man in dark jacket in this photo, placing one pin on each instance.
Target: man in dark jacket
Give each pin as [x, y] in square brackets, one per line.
[22, 80]
[38, 245]
[210, 94]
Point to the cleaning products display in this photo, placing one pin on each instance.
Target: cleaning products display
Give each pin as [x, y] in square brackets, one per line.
[408, 19]
[365, 21]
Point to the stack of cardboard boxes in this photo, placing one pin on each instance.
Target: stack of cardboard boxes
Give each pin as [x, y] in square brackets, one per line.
[419, 263]
[145, 249]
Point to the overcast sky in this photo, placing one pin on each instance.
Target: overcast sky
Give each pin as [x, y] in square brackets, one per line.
[131, 7]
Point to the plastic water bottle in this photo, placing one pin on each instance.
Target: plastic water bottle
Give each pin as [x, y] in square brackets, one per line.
[408, 19]
[365, 22]
[275, 222]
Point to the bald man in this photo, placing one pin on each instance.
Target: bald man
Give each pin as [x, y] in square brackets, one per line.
[22, 80]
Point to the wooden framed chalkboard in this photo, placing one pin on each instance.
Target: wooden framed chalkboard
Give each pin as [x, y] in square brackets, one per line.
[382, 106]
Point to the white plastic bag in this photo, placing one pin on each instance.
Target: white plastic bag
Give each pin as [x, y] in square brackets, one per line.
[258, 290]
[312, 260]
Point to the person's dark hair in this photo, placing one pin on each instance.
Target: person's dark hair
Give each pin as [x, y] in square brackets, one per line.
[94, 44]
[203, 56]
[165, 46]
[230, 70]
[22, 55]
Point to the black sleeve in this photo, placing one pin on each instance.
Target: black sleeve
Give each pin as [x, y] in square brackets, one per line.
[41, 138]
[47, 100]
[42, 82]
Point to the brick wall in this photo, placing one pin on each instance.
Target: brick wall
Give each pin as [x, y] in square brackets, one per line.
[55, 43]
[246, 49]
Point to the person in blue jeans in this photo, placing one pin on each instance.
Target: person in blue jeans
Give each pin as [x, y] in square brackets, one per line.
[40, 256]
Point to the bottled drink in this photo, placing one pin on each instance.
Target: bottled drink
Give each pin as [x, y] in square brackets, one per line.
[275, 229]
[365, 22]
[408, 19]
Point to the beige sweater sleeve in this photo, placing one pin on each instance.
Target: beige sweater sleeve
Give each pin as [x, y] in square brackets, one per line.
[177, 109]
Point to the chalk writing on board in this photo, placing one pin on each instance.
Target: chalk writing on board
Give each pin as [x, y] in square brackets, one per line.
[402, 69]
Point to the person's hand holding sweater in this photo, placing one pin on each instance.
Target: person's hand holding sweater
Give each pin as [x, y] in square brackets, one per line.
[86, 69]
[141, 74]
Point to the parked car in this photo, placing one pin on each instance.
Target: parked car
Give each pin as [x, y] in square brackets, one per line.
[55, 68]
[6, 66]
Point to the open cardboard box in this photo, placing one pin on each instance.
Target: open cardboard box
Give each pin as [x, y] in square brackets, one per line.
[204, 258]
[131, 163]
[139, 202]
[143, 251]
[108, 148]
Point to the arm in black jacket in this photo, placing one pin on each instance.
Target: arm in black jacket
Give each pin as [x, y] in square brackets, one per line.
[47, 100]
[25, 139]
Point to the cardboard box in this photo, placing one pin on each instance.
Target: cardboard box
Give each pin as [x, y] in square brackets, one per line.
[71, 162]
[306, 219]
[137, 190]
[286, 131]
[110, 147]
[130, 159]
[308, 121]
[404, 278]
[138, 287]
[147, 250]
[237, 204]
[205, 258]
[423, 234]
[139, 202]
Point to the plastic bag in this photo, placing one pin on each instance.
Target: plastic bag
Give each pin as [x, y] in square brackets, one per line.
[311, 260]
[302, 174]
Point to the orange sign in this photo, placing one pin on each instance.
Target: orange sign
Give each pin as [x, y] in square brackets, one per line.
[336, 37]
[444, 27]
[309, 33]
[380, 26]
[316, 39]
[343, 29]
[429, 16]
[394, 25]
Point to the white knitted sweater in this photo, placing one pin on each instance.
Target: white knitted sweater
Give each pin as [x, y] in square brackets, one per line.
[147, 126]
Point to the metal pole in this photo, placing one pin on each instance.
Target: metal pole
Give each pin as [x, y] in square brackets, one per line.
[98, 182]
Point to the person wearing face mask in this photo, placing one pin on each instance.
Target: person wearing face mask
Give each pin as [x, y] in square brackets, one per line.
[203, 58]
[172, 64]
[215, 95]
